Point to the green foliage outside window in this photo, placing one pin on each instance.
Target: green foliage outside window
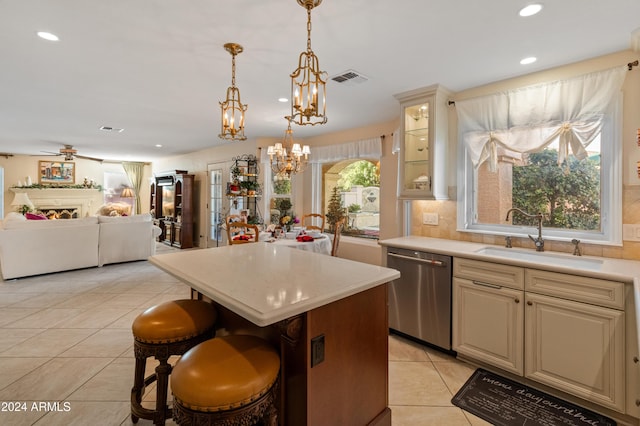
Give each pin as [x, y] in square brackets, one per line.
[361, 172]
[570, 198]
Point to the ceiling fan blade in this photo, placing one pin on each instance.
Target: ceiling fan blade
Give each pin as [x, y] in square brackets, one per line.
[47, 154]
[89, 158]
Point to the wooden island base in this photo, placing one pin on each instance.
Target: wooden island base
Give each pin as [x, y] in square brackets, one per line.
[350, 385]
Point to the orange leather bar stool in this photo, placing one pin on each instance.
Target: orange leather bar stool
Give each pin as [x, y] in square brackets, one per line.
[170, 328]
[230, 380]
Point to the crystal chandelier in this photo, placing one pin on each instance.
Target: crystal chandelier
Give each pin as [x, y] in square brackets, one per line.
[288, 157]
[308, 92]
[232, 108]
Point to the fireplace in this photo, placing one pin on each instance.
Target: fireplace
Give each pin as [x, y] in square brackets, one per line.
[64, 203]
[59, 213]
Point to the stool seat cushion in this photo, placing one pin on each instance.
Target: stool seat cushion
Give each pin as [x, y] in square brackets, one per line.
[224, 373]
[174, 321]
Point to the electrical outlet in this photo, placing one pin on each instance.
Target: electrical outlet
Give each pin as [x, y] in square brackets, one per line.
[631, 232]
[429, 218]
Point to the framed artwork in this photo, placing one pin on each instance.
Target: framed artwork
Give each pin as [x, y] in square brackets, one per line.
[57, 172]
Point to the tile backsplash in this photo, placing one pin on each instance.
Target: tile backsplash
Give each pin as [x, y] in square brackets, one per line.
[446, 228]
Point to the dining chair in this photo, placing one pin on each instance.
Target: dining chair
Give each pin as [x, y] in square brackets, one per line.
[233, 218]
[235, 231]
[311, 216]
[336, 236]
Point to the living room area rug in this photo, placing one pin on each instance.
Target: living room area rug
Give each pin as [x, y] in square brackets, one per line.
[504, 402]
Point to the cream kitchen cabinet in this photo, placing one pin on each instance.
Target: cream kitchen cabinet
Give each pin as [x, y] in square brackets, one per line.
[574, 346]
[487, 322]
[423, 143]
[562, 330]
[488, 312]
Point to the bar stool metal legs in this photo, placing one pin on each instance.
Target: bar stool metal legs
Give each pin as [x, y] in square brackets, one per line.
[161, 331]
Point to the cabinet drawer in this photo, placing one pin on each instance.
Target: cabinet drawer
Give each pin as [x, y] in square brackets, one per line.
[595, 291]
[488, 272]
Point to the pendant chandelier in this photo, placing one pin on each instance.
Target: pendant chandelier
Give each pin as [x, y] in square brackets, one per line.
[308, 92]
[232, 108]
[288, 157]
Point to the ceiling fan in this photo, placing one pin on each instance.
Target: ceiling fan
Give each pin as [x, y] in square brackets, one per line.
[70, 154]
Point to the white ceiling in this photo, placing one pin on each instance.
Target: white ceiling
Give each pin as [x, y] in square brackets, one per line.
[157, 68]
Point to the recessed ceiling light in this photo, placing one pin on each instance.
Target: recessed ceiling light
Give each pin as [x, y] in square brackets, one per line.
[283, 100]
[158, 145]
[47, 36]
[529, 60]
[530, 9]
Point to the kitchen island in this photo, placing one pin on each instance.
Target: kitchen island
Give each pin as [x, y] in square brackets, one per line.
[328, 316]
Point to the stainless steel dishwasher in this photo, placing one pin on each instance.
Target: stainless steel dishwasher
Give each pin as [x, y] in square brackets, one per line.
[420, 300]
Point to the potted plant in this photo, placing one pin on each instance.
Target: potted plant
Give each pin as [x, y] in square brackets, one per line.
[284, 205]
[234, 188]
[335, 210]
[250, 186]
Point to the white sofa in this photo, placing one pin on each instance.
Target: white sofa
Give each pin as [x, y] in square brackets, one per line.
[33, 247]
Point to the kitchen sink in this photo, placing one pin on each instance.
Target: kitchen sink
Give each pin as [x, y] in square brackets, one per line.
[548, 258]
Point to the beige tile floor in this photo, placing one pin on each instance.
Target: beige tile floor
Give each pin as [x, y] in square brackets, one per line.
[66, 338]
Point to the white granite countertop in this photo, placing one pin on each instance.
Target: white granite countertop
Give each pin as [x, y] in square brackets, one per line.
[627, 271]
[266, 283]
[598, 267]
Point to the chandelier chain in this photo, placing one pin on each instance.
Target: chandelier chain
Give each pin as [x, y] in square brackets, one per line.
[233, 70]
[309, 28]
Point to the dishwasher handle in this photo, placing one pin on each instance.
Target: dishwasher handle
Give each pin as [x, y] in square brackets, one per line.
[417, 259]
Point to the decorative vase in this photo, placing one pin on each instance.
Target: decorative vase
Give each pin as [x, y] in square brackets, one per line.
[27, 181]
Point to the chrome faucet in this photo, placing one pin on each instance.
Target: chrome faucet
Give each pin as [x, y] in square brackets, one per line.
[576, 247]
[539, 242]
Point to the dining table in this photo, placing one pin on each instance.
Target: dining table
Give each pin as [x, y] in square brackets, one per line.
[326, 315]
[320, 244]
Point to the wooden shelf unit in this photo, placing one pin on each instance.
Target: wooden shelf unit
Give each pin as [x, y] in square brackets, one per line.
[171, 203]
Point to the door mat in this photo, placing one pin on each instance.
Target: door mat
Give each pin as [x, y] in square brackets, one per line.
[504, 402]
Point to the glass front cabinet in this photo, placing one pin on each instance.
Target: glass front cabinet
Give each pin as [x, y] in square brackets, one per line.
[423, 143]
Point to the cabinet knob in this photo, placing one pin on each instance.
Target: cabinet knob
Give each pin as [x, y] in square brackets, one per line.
[638, 402]
[517, 300]
[530, 303]
[635, 359]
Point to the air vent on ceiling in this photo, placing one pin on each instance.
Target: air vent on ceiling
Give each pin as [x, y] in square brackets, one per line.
[111, 129]
[350, 77]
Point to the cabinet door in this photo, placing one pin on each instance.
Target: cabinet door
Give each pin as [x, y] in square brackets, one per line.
[488, 324]
[168, 232]
[177, 235]
[576, 347]
[423, 143]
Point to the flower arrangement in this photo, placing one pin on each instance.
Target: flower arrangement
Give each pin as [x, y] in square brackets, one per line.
[288, 221]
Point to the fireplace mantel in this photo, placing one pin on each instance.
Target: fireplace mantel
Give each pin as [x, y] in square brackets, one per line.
[87, 201]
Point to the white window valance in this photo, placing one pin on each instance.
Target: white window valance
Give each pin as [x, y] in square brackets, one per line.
[529, 118]
[365, 148]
